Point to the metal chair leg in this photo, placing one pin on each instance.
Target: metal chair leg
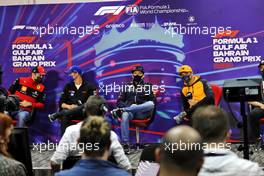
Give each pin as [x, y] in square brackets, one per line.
[137, 137]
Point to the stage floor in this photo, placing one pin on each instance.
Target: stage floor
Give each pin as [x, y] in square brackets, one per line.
[41, 165]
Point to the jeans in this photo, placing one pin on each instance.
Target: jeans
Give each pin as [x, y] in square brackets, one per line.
[141, 112]
[70, 114]
[21, 116]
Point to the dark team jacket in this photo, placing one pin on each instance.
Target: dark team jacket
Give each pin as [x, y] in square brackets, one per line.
[29, 90]
[201, 92]
[135, 94]
[71, 95]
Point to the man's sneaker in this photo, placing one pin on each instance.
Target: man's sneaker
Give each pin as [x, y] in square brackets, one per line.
[54, 116]
[117, 113]
[126, 148]
[179, 118]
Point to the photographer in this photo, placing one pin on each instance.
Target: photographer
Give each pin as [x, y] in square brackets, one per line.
[7, 103]
[195, 93]
[3, 93]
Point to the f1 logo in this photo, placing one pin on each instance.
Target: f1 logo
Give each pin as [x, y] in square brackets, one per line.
[115, 10]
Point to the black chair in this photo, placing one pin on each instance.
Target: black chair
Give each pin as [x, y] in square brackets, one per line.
[148, 153]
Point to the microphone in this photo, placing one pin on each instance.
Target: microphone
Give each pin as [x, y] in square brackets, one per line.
[79, 102]
[179, 117]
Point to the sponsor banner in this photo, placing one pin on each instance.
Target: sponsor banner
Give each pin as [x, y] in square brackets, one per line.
[106, 39]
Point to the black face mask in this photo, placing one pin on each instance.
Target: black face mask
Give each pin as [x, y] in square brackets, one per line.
[186, 79]
[137, 78]
[38, 79]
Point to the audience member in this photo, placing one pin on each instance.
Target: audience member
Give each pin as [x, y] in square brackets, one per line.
[8, 166]
[180, 154]
[95, 106]
[212, 124]
[95, 137]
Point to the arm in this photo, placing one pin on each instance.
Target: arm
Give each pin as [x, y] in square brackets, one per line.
[119, 153]
[207, 100]
[40, 101]
[62, 151]
[152, 96]
[256, 104]
[121, 100]
[63, 99]
[20, 170]
[92, 90]
[185, 103]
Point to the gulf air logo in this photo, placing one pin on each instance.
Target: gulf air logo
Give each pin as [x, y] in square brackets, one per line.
[114, 10]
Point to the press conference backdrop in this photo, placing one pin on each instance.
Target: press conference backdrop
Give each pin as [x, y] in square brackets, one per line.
[219, 39]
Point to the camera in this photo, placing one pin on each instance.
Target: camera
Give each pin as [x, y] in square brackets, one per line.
[9, 103]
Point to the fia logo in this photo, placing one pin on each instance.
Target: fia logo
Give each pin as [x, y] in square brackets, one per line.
[132, 10]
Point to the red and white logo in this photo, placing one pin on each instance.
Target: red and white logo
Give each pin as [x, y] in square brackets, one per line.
[115, 10]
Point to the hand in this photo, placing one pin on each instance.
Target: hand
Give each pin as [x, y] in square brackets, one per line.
[192, 102]
[261, 106]
[72, 106]
[133, 105]
[25, 103]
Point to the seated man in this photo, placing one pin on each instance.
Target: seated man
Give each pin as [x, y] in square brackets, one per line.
[195, 93]
[30, 91]
[180, 152]
[212, 124]
[95, 132]
[136, 101]
[257, 112]
[95, 106]
[74, 95]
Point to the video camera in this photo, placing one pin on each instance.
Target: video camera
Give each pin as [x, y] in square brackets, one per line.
[8, 103]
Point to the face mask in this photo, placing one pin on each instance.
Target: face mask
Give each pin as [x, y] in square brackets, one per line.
[186, 79]
[137, 78]
[38, 79]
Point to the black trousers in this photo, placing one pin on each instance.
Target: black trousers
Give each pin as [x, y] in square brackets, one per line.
[71, 114]
[254, 126]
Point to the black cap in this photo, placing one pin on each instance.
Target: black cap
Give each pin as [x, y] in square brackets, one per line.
[138, 68]
[261, 63]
